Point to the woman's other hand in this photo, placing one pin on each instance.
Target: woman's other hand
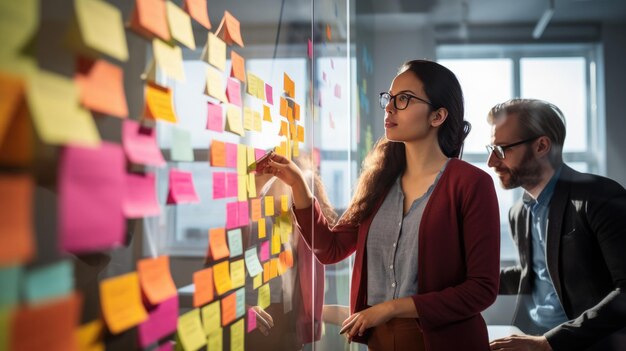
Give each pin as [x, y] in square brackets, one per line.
[263, 320]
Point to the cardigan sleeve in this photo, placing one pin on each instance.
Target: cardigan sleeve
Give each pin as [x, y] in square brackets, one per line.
[330, 245]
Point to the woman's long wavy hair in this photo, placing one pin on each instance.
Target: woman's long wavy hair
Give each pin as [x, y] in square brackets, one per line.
[387, 160]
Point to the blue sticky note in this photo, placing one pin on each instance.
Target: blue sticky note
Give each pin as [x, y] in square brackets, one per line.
[234, 242]
[51, 281]
[240, 298]
[10, 283]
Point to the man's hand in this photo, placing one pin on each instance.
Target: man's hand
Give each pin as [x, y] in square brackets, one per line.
[521, 343]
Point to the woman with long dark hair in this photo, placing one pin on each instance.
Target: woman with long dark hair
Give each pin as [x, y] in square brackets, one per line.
[424, 224]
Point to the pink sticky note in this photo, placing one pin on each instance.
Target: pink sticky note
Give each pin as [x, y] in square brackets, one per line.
[264, 255]
[268, 94]
[181, 190]
[332, 64]
[140, 197]
[162, 321]
[251, 320]
[168, 346]
[214, 118]
[219, 185]
[231, 155]
[91, 197]
[258, 153]
[310, 49]
[232, 215]
[338, 91]
[232, 185]
[244, 213]
[140, 144]
[233, 91]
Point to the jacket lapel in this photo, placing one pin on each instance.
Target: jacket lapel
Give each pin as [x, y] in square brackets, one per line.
[555, 223]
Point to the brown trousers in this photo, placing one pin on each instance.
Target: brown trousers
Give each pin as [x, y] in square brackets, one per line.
[398, 334]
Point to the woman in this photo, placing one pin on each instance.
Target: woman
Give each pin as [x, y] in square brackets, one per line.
[424, 224]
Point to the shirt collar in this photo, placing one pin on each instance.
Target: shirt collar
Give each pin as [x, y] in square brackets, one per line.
[546, 194]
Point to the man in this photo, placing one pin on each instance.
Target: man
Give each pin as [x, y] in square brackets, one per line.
[570, 230]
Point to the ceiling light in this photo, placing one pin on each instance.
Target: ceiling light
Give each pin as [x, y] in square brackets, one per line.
[544, 20]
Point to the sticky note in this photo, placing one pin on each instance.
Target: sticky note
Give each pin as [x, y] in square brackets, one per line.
[20, 20]
[255, 209]
[266, 272]
[91, 186]
[11, 282]
[257, 281]
[244, 218]
[149, 19]
[251, 87]
[218, 153]
[284, 131]
[248, 119]
[242, 159]
[17, 137]
[233, 92]
[259, 92]
[219, 185]
[215, 85]
[257, 126]
[238, 64]
[169, 59]
[240, 296]
[140, 199]
[296, 111]
[251, 320]
[264, 296]
[237, 336]
[233, 121]
[283, 107]
[17, 242]
[121, 304]
[300, 133]
[229, 30]
[197, 9]
[56, 322]
[264, 254]
[49, 281]
[328, 32]
[215, 121]
[242, 189]
[158, 103]
[250, 159]
[231, 155]
[237, 274]
[235, 244]
[217, 243]
[275, 243]
[232, 215]
[101, 87]
[89, 335]
[229, 309]
[215, 340]
[58, 119]
[161, 322]
[273, 268]
[284, 203]
[203, 282]
[232, 184]
[261, 227]
[338, 91]
[289, 86]
[221, 277]
[190, 332]
[214, 52]
[140, 144]
[181, 188]
[269, 205]
[252, 262]
[180, 25]
[181, 145]
[309, 49]
[268, 94]
[292, 131]
[211, 318]
[156, 279]
[267, 115]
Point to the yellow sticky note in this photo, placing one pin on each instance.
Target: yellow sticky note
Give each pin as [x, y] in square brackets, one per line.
[215, 340]
[58, 119]
[300, 133]
[248, 122]
[264, 296]
[233, 120]
[242, 160]
[242, 187]
[289, 86]
[257, 125]
[296, 149]
[20, 20]
[215, 52]
[257, 281]
[100, 29]
[251, 186]
[284, 203]
[267, 115]
[89, 334]
[261, 227]
[250, 157]
[260, 89]
[158, 103]
[237, 274]
[221, 275]
[190, 331]
[275, 242]
[251, 86]
[215, 85]
[121, 304]
[180, 25]
[285, 228]
[169, 59]
[236, 336]
[269, 205]
[211, 317]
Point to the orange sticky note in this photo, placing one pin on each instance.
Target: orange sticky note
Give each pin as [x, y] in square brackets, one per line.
[149, 19]
[221, 277]
[328, 32]
[282, 263]
[296, 111]
[16, 130]
[229, 30]
[238, 69]
[290, 88]
[292, 131]
[16, 232]
[283, 107]
[101, 87]
[120, 301]
[267, 115]
[255, 212]
[11, 96]
[218, 153]
[156, 279]
[283, 128]
[229, 309]
[158, 103]
[289, 258]
[273, 268]
[266, 272]
[300, 134]
[217, 243]
[203, 281]
[54, 322]
[197, 9]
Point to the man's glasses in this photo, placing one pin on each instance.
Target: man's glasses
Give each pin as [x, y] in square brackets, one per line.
[498, 150]
[400, 101]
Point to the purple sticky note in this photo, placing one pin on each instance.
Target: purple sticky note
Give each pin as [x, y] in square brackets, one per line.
[338, 91]
[140, 198]
[232, 215]
[162, 321]
[310, 49]
[232, 185]
[181, 188]
[264, 255]
[268, 94]
[140, 144]
[92, 184]
[231, 155]
[219, 185]
[244, 213]
[214, 118]
[251, 320]
[233, 91]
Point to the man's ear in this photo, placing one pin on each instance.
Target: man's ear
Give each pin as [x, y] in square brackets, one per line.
[542, 146]
[438, 116]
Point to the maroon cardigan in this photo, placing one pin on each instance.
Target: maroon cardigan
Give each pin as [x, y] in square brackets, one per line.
[458, 258]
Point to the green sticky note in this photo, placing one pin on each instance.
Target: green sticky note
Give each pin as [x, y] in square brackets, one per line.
[54, 280]
[101, 28]
[19, 21]
[181, 145]
[10, 283]
[5, 317]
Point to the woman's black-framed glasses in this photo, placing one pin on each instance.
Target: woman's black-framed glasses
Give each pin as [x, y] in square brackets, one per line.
[498, 150]
[400, 101]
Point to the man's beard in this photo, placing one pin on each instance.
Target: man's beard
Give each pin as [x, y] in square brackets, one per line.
[527, 175]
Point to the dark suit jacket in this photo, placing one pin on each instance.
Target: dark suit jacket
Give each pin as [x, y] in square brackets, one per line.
[586, 258]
